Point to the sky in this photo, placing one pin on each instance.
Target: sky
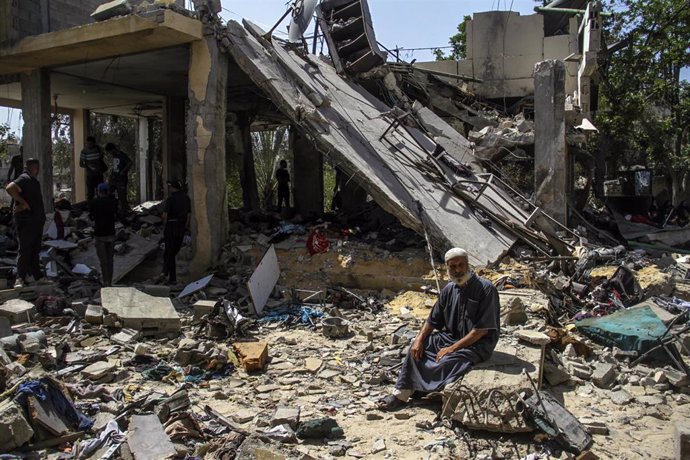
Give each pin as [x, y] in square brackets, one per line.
[408, 24]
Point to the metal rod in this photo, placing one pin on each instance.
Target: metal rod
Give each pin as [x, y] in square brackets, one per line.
[546, 9]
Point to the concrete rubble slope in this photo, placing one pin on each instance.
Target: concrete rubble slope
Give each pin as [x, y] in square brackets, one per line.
[347, 123]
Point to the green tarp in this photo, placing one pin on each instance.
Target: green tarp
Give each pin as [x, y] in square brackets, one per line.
[632, 329]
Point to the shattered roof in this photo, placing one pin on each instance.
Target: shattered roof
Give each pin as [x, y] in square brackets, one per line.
[348, 124]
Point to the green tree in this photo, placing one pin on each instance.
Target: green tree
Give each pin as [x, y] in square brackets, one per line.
[458, 43]
[645, 105]
[6, 137]
[269, 146]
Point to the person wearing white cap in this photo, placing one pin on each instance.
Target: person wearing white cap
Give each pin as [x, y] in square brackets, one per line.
[466, 321]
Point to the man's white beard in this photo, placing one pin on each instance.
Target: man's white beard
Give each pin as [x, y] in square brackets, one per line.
[462, 279]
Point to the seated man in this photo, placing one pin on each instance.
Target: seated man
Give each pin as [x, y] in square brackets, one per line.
[467, 318]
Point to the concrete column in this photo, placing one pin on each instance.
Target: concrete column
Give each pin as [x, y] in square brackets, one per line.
[250, 190]
[80, 130]
[37, 123]
[551, 165]
[208, 72]
[143, 158]
[174, 153]
[307, 181]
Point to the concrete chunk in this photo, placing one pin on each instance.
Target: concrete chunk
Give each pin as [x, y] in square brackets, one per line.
[142, 312]
[533, 337]
[253, 355]
[603, 374]
[147, 439]
[202, 307]
[18, 311]
[94, 314]
[14, 429]
[286, 416]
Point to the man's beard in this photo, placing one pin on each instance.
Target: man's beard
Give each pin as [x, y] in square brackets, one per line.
[462, 279]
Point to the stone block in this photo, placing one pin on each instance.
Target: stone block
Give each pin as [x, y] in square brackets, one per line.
[18, 311]
[620, 397]
[253, 355]
[603, 374]
[286, 416]
[14, 429]
[533, 337]
[94, 314]
[142, 312]
[676, 377]
[681, 436]
[147, 439]
[126, 336]
[98, 370]
[555, 375]
[202, 307]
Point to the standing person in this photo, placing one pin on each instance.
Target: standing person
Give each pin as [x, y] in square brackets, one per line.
[16, 165]
[29, 217]
[103, 212]
[176, 214]
[119, 175]
[466, 317]
[283, 179]
[91, 159]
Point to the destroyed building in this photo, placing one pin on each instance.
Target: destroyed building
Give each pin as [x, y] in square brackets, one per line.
[231, 365]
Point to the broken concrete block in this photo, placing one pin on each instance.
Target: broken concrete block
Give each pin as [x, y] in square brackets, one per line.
[660, 377]
[147, 439]
[137, 310]
[603, 374]
[253, 355]
[620, 397]
[555, 375]
[126, 336]
[313, 364]
[676, 377]
[94, 314]
[533, 337]
[31, 342]
[581, 371]
[8, 294]
[513, 313]
[286, 416]
[18, 311]
[594, 427]
[14, 429]
[202, 307]
[98, 370]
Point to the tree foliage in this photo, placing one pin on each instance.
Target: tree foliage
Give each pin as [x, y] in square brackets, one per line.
[458, 43]
[645, 104]
[269, 147]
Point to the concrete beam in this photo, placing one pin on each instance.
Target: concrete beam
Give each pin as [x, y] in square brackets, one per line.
[307, 183]
[208, 72]
[250, 189]
[116, 37]
[37, 128]
[552, 168]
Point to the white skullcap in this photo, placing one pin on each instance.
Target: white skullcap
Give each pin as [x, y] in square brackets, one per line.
[455, 252]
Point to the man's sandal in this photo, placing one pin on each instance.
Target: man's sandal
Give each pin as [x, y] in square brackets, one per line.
[389, 403]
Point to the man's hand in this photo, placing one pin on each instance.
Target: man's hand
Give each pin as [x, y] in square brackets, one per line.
[20, 207]
[417, 350]
[443, 352]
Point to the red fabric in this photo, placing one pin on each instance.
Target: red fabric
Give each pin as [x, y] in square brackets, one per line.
[317, 243]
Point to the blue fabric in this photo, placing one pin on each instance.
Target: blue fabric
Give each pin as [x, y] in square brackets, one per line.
[299, 313]
[44, 389]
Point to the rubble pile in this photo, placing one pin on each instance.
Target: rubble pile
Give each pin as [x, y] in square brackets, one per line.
[156, 371]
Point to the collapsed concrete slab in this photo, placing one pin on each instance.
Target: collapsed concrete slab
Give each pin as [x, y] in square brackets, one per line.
[142, 312]
[390, 160]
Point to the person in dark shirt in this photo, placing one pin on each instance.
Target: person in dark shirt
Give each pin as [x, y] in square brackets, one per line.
[29, 217]
[283, 179]
[176, 214]
[466, 317]
[91, 159]
[103, 212]
[119, 175]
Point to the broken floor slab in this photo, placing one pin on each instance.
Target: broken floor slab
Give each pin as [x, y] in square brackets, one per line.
[138, 249]
[18, 311]
[147, 439]
[142, 312]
